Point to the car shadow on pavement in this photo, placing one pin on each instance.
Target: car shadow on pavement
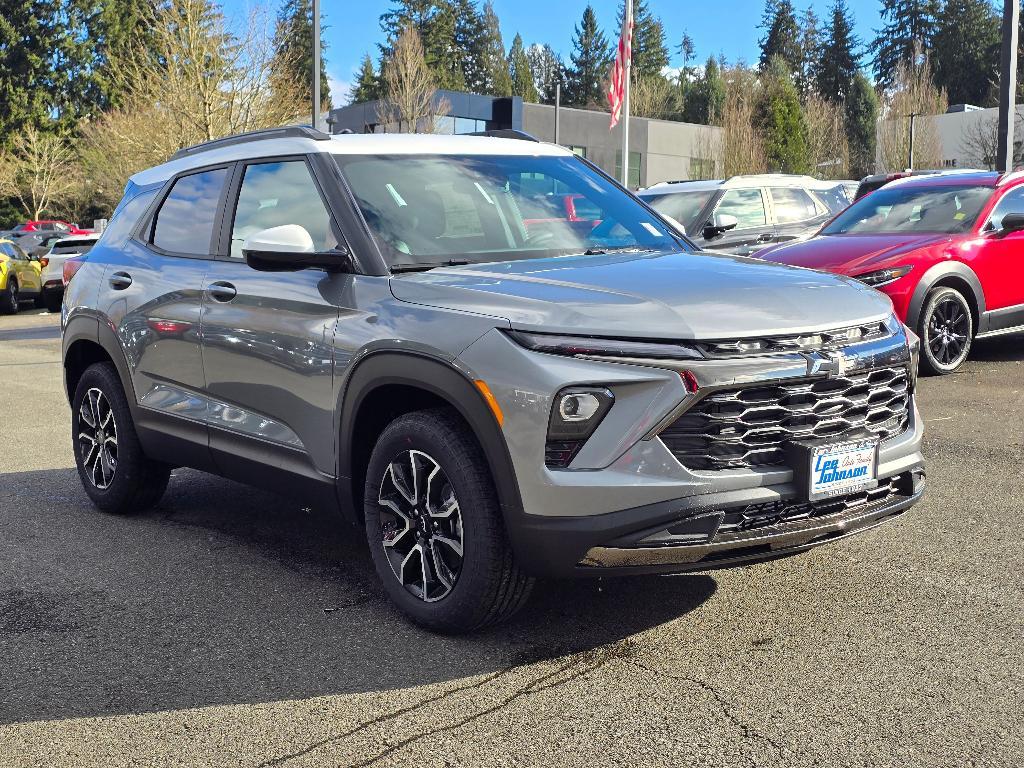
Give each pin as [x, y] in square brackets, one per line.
[224, 595]
[998, 349]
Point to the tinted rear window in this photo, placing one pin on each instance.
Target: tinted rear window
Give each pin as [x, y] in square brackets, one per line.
[184, 223]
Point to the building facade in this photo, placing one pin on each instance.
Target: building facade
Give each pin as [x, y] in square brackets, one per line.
[659, 150]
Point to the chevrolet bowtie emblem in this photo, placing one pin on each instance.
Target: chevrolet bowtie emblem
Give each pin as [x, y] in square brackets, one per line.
[828, 363]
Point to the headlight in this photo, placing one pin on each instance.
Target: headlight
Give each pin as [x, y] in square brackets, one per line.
[575, 413]
[588, 346]
[884, 276]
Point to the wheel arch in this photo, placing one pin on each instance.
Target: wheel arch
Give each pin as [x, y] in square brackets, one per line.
[86, 341]
[385, 385]
[951, 274]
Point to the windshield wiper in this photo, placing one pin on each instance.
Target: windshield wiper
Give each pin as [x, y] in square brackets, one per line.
[616, 249]
[413, 267]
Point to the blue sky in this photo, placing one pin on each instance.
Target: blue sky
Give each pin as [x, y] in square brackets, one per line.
[722, 26]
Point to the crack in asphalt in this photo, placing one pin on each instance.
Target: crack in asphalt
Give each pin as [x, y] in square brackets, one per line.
[726, 705]
[577, 666]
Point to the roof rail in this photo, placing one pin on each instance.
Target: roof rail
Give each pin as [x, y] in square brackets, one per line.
[505, 133]
[284, 132]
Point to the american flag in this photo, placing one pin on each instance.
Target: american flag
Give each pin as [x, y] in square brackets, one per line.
[617, 84]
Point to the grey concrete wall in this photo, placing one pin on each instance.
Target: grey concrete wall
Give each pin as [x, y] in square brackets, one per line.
[666, 147]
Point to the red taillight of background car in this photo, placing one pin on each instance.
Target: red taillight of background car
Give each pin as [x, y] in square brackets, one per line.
[71, 266]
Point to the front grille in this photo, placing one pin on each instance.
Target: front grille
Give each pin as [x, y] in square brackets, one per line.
[748, 426]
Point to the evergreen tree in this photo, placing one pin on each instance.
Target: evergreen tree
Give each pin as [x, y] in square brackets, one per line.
[367, 86]
[29, 34]
[779, 120]
[590, 57]
[782, 38]
[293, 48]
[706, 96]
[650, 54]
[966, 52]
[469, 45]
[436, 23]
[519, 71]
[839, 61]
[548, 70]
[861, 129]
[499, 83]
[810, 53]
[908, 30]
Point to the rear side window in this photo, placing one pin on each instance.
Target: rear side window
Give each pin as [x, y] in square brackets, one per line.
[792, 204]
[184, 222]
[126, 216]
[275, 194]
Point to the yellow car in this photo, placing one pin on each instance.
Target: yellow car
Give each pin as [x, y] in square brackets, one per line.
[19, 277]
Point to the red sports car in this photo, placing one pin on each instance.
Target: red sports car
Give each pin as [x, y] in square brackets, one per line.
[948, 249]
[50, 225]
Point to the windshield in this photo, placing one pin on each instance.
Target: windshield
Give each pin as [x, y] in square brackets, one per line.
[940, 209]
[681, 206]
[438, 209]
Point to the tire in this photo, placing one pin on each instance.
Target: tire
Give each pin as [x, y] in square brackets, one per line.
[9, 298]
[946, 328]
[40, 301]
[53, 300]
[456, 502]
[120, 479]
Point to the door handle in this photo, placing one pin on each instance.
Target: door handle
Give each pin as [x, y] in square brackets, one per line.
[221, 291]
[764, 237]
[120, 280]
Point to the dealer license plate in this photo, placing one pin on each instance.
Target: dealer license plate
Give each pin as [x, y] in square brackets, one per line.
[843, 468]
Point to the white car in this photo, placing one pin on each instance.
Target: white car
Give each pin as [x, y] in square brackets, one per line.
[53, 266]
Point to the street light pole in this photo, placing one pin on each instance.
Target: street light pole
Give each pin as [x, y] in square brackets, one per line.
[316, 64]
[1007, 86]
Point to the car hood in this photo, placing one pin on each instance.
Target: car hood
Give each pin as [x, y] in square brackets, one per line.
[848, 254]
[673, 295]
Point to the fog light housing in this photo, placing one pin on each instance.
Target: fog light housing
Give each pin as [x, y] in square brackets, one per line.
[575, 413]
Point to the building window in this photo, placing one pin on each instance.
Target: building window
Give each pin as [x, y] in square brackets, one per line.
[469, 125]
[702, 168]
[634, 168]
[577, 150]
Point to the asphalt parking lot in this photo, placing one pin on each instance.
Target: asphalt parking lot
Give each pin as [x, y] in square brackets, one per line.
[229, 626]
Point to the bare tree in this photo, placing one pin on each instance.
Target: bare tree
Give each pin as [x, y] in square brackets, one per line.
[742, 148]
[829, 153]
[199, 79]
[979, 141]
[913, 92]
[409, 104]
[39, 171]
[653, 96]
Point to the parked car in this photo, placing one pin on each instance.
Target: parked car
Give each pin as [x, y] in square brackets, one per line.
[53, 266]
[365, 320]
[744, 213]
[51, 225]
[19, 278]
[879, 180]
[38, 243]
[945, 247]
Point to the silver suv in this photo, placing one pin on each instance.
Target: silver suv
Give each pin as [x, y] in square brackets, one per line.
[412, 330]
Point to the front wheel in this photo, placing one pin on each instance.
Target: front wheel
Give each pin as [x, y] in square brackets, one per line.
[946, 329]
[434, 526]
[114, 471]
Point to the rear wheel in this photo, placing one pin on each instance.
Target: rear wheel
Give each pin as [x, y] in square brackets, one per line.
[9, 298]
[114, 471]
[434, 526]
[53, 300]
[946, 329]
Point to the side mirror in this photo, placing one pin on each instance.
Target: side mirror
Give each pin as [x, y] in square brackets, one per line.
[720, 222]
[1012, 222]
[290, 248]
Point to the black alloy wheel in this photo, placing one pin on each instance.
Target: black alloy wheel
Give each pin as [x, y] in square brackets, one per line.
[9, 298]
[946, 330]
[421, 525]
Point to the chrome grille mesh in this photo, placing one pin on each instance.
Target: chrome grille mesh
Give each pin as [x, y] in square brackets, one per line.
[748, 426]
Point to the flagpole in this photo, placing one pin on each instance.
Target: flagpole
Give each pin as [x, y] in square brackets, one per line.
[625, 99]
